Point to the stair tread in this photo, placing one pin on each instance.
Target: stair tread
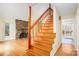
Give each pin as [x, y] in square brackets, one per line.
[48, 24]
[41, 34]
[44, 38]
[46, 28]
[47, 37]
[31, 53]
[42, 44]
[42, 47]
[47, 33]
[39, 52]
[44, 41]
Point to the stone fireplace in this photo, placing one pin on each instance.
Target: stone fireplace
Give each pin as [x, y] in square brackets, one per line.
[21, 29]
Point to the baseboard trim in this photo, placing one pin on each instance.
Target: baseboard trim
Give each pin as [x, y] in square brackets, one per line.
[57, 49]
[53, 51]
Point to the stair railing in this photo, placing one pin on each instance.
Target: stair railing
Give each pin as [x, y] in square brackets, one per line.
[37, 25]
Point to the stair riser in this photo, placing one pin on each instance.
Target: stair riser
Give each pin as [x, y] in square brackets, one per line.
[46, 35]
[48, 25]
[41, 52]
[33, 53]
[43, 48]
[47, 28]
[44, 38]
[49, 31]
[43, 44]
[43, 34]
[49, 42]
[44, 41]
[49, 22]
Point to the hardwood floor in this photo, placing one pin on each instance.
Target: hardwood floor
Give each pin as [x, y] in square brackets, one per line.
[19, 48]
[13, 48]
[68, 51]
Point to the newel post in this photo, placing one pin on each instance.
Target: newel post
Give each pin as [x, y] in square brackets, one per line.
[29, 28]
[49, 9]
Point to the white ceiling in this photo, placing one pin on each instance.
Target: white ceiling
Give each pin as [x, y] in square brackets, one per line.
[66, 8]
[20, 11]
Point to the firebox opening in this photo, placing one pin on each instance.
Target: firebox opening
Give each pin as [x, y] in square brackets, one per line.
[23, 34]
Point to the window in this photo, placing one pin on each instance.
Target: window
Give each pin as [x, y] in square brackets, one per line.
[7, 29]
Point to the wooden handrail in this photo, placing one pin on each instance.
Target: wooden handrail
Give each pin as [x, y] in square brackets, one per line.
[39, 18]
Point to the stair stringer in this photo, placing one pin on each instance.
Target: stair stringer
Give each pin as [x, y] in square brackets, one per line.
[55, 47]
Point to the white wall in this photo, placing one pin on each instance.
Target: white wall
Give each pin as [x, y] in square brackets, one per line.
[1, 30]
[38, 10]
[12, 30]
[77, 21]
[57, 26]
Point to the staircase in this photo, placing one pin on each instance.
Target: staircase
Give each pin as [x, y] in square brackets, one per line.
[43, 35]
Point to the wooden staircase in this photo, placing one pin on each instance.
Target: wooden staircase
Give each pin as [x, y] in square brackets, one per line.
[44, 38]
